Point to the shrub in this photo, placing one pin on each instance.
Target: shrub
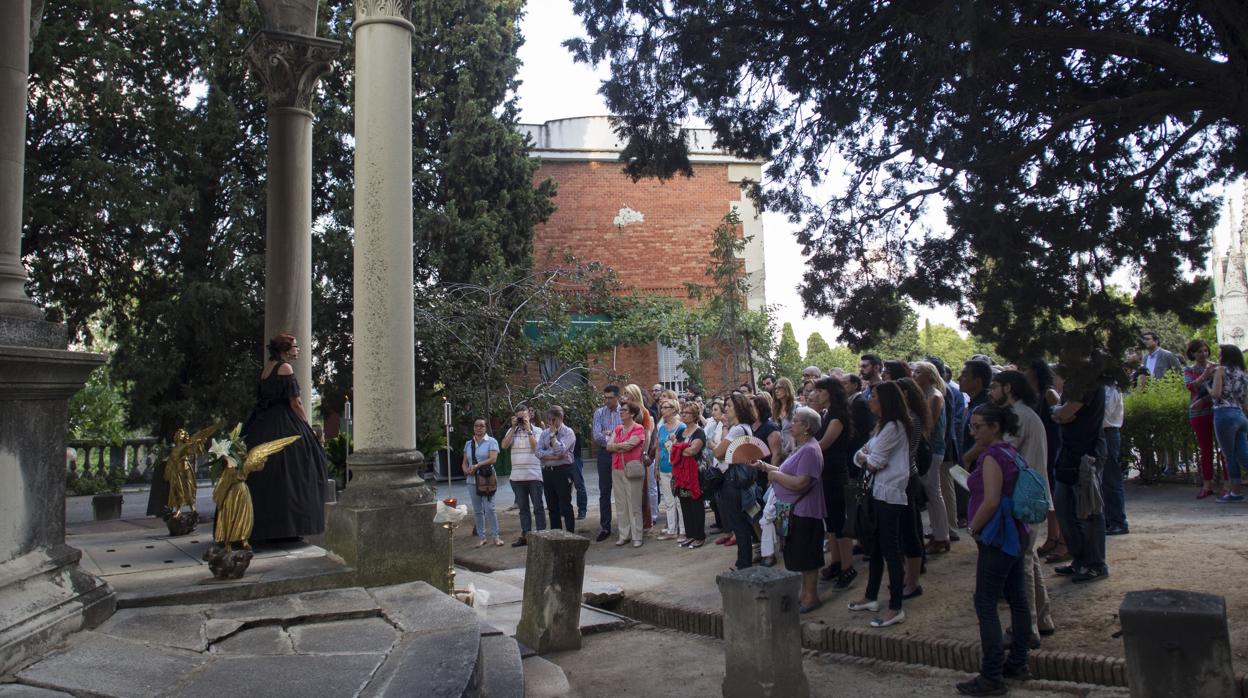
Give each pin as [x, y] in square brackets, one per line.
[1155, 418]
[336, 451]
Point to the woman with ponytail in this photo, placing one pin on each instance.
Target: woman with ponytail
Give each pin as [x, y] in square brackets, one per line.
[288, 494]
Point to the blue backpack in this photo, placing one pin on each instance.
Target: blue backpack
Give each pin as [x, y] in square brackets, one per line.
[1031, 497]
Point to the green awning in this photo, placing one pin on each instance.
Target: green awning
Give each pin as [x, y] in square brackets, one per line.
[541, 331]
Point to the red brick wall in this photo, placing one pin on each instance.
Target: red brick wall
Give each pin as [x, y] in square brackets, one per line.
[670, 247]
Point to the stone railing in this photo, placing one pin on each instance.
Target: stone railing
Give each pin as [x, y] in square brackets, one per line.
[135, 457]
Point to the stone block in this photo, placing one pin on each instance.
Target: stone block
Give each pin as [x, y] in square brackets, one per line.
[554, 574]
[97, 664]
[362, 635]
[282, 676]
[173, 626]
[264, 640]
[387, 535]
[436, 664]
[417, 607]
[1177, 643]
[762, 634]
[503, 673]
[17, 690]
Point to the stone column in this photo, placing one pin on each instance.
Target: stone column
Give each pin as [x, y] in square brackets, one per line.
[290, 65]
[383, 523]
[44, 594]
[1177, 644]
[14, 62]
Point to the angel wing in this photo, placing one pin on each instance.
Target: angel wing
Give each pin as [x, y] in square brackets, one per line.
[195, 444]
[257, 456]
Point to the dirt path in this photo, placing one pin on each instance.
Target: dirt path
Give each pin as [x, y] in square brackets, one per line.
[1176, 542]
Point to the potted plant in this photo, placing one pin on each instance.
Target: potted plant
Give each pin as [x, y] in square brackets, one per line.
[106, 490]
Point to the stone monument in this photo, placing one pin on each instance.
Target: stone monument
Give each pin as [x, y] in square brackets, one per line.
[1230, 279]
[554, 574]
[382, 525]
[762, 634]
[44, 594]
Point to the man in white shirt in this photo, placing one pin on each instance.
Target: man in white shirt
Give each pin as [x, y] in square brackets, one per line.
[526, 472]
[1011, 388]
[1112, 490]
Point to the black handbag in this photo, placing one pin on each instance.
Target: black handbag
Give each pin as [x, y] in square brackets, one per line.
[710, 479]
[866, 524]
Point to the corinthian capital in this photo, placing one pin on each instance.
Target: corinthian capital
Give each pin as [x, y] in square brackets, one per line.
[365, 9]
[290, 65]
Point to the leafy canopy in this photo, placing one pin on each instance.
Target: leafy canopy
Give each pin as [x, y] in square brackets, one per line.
[1067, 138]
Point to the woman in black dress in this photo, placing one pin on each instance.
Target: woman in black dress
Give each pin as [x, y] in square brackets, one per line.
[289, 492]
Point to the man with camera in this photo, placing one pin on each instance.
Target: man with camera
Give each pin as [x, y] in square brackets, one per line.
[526, 472]
[555, 450]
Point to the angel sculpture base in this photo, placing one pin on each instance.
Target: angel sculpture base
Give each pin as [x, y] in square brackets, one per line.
[180, 523]
[226, 562]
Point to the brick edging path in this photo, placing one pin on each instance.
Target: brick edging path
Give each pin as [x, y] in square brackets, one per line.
[958, 655]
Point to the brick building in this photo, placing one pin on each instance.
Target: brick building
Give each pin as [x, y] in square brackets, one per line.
[656, 235]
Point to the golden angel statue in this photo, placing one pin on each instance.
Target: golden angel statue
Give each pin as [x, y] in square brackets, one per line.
[235, 516]
[179, 473]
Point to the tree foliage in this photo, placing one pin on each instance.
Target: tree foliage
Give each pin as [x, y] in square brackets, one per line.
[788, 361]
[145, 186]
[1067, 139]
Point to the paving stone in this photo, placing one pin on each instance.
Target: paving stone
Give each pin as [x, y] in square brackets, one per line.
[435, 664]
[215, 629]
[506, 617]
[418, 607]
[169, 626]
[272, 608]
[502, 673]
[353, 600]
[330, 602]
[102, 665]
[17, 690]
[291, 676]
[501, 591]
[362, 635]
[264, 640]
[597, 593]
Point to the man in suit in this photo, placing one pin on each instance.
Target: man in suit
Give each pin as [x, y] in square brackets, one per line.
[1158, 360]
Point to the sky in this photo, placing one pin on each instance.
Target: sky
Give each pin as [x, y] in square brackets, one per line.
[554, 87]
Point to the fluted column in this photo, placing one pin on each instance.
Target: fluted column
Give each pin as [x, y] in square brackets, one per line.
[14, 66]
[290, 66]
[383, 523]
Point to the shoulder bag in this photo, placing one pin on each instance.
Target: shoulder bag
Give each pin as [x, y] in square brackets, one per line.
[485, 478]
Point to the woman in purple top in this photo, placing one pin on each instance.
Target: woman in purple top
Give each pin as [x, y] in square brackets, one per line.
[1001, 564]
[797, 484]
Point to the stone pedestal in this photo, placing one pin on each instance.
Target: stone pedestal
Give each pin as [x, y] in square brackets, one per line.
[762, 634]
[290, 66]
[1177, 644]
[383, 523]
[44, 595]
[554, 572]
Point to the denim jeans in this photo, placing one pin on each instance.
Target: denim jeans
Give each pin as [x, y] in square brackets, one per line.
[557, 483]
[529, 493]
[1085, 538]
[886, 548]
[1231, 428]
[1111, 481]
[604, 489]
[998, 574]
[578, 479]
[483, 511]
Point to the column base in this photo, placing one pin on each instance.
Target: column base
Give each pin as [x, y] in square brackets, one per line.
[382, 525]
[45, 596]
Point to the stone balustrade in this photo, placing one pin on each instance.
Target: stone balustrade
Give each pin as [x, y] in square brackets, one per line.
[136, 457]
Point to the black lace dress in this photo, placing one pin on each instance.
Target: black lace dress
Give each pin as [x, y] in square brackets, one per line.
[288, 494]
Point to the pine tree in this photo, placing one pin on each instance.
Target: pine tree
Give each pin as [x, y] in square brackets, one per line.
[788, 361]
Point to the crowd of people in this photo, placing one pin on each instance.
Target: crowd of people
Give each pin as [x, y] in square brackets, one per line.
[854, 459]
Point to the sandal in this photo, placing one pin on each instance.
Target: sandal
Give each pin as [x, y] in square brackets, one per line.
[1049, 546]
[480, 544]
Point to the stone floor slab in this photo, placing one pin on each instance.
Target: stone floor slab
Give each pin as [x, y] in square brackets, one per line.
[102, 665]
[143, 555]
[17, 690]
[292, 676]
[262, 641]
[170, 626]
[500, 591]
[353, 636]
[418, 607]
[506, 617]
[435, 664]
